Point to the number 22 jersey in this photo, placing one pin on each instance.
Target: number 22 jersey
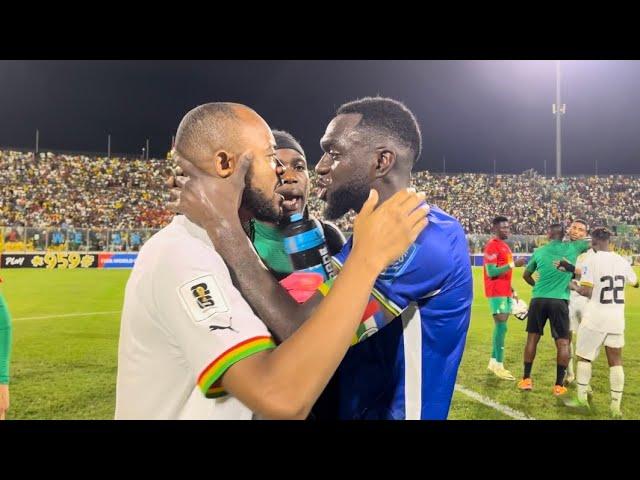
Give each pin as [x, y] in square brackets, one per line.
[607, 273]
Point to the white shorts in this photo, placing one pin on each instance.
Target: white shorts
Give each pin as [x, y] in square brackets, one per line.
[576, 310]
[589, 342]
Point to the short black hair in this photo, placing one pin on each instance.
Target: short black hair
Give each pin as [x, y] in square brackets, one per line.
[286, 140]
[499, 219]
[601, 234]
[389, 116]
[556, 225]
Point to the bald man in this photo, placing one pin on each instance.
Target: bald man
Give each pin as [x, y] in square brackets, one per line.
[190, 345]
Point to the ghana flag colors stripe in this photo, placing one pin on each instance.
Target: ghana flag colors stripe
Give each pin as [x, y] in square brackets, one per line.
[215, 369]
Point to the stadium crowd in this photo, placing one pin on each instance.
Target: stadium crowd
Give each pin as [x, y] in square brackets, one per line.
[530, 200]
[71, 191]
[79, 191]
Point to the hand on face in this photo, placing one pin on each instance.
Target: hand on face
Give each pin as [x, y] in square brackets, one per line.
[383, 234]
[205, 198]
[172, 175]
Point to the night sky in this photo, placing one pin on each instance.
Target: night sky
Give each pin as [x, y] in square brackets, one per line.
[470, 111]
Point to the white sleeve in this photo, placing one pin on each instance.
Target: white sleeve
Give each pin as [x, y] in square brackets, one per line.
[586, 278]
[206, 317]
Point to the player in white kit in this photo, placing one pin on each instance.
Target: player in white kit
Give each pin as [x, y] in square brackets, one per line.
[603, 278]
[577, 231]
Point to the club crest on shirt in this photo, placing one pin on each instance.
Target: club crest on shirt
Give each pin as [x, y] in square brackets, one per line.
[400, 265]
[203, 300]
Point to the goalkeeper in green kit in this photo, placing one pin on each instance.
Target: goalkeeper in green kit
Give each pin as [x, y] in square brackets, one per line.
[550, 301]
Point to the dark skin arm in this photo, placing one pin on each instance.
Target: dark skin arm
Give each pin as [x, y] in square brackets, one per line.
[563, 264]
[271, 303]
[269, 300]
[583, 290]
[527, 277]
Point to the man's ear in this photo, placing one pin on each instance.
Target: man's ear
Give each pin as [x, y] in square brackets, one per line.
[385, 162]
[224, 163]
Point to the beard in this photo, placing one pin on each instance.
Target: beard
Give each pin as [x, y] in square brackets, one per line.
[351, 195]
[261, 206]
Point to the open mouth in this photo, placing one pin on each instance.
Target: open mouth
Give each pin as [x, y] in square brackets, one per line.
[293, 200]
[292, 204]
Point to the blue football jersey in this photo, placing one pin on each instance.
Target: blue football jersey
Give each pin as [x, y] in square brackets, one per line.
[405, 357]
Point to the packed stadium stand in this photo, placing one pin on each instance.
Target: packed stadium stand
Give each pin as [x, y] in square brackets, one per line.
[531, 201]
[123, 199]
[80, 191]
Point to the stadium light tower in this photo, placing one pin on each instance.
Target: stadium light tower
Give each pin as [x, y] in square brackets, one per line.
[559, 109]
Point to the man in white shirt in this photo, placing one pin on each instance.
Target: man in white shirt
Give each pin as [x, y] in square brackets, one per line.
[603, 278]
[577, 231]
[190, 346]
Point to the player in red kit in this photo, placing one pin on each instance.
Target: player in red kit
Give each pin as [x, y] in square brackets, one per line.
[498, 265]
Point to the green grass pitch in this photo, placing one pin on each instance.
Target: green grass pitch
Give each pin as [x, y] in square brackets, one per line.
[66, 326]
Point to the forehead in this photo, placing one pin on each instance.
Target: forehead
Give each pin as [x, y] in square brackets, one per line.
[342, 129]
[578, 225]
[262, 138]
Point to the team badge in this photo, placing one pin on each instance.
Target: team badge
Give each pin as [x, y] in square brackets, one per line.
[203, 300]
[399, 266]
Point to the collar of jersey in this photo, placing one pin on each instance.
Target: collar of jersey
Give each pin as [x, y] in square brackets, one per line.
[267, 231]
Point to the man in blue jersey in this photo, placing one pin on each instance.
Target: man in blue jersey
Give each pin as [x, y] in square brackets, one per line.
[407, 351]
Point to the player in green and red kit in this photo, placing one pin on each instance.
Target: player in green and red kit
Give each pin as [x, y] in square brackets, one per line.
[5, 355]
[498, 263]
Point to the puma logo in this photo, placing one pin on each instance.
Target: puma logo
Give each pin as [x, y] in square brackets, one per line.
[213, 328]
